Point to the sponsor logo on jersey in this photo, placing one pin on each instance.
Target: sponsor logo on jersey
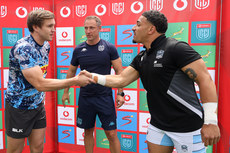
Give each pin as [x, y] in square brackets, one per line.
[202, 4]
[156, 5]
[81, 10]
[44, 69]
[3, 11]
[21, 12]
[160, 54]
[118, 8]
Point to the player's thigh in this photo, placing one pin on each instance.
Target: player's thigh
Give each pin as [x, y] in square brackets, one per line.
[37, 137]
[155, 148]
[15, 145]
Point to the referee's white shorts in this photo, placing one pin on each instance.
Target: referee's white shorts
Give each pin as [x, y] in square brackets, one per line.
[189, 142]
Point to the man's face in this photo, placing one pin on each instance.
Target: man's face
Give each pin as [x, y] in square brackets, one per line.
[141, 30]
[47, 30]
[91, 29]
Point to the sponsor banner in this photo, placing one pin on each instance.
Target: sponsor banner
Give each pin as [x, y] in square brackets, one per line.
[128, 141]
[64, 36]
[179, 31]
[26, 32]
[11, 35]
[143, 106]
[125, 35]
[101, 139]
[127, 54]
[71, 97]
[64, 56]
[203, 32]
[108, 33]
[1, 140]
[6, 53]
[144, 120]
[143, 148]
[1, 56]
[66, 134]
[66, 115]
[80, 36]
[61, 73]
[5, 77]
[132, 85]
[80, 136]
[127, 121]
[208, 54]
[130, 100]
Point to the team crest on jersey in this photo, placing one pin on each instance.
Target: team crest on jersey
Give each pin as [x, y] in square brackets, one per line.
[202, 4]
[203, 31]
[101, 48]
[160, 54]
[81, 10]
[118, 8]
[156, 5]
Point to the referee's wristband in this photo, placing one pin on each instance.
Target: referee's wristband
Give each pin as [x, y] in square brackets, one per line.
[210, 114]
[100, 79]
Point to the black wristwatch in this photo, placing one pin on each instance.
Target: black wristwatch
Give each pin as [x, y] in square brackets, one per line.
[121, 94]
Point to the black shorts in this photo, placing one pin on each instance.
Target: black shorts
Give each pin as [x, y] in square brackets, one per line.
[103, 106]
[19, 123]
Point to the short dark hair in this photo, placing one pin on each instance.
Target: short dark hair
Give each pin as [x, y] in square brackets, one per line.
[37, 17]
[158, 19]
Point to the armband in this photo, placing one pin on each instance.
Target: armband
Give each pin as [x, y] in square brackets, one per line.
[210, 114]
[100, 79]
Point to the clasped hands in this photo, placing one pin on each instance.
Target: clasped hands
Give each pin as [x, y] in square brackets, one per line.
[84, 78]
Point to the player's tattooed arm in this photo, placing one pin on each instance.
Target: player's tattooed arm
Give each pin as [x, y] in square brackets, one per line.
[191, 74]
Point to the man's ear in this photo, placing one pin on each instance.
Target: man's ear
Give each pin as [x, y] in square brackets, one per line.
[35, 27]
[152, 29]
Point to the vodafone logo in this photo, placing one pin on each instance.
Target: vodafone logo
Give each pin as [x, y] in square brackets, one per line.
[21, 12]
[180, 5]
[65, 11]
[65, 113]
[64, 34]
[99, 7]
[148, 120]
[137, 7]
[127, 98]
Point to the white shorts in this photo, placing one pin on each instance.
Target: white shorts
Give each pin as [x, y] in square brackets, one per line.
[189, 142]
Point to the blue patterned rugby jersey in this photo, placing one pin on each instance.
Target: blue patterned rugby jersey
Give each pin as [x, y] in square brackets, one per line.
[26, 53]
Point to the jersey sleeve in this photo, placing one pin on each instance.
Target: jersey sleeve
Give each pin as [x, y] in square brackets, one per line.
[26, 57]
[74, 60]
[184, 54]
[113, 52]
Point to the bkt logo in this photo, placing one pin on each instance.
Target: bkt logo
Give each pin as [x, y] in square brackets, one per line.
[81, 10]
[118, 8]
[156, 5]
[202, 4]
[21, 12]
[3, 11]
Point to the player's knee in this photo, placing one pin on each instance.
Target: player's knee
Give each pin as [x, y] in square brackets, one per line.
[112, 135]
[37, 148]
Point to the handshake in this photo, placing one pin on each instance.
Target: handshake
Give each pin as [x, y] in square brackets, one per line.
[84, 78]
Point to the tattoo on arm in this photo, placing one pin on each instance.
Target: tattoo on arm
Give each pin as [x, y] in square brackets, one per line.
[191, 74]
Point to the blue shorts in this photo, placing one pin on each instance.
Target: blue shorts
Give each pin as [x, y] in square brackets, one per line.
[89, 107]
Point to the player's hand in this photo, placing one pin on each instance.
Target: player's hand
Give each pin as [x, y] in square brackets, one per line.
[210, 134]
[120, 101]
[83, 80]
[86, 73]
[65, 98]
